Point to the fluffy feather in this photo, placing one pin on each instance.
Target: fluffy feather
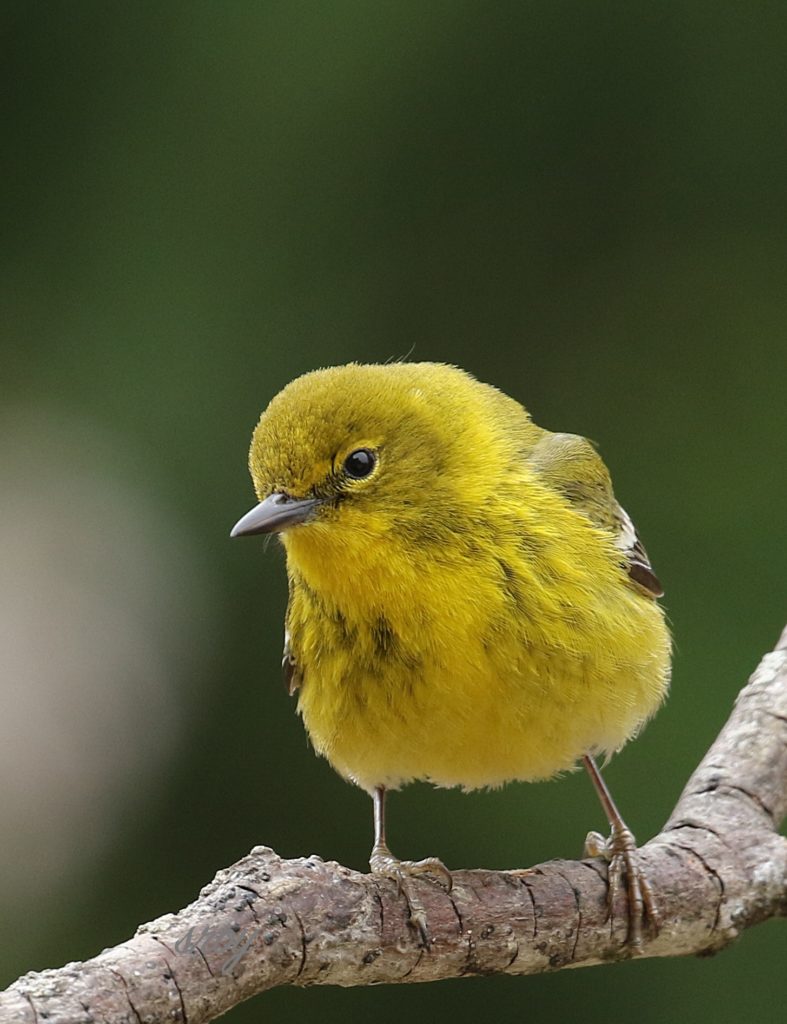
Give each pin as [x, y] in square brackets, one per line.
[479, 608]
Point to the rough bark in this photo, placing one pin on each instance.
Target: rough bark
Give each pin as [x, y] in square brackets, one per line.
[718, 866]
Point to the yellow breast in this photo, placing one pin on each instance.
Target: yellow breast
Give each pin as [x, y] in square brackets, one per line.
[506, 654]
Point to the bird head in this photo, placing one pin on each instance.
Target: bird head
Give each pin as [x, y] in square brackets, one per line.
[366, 450]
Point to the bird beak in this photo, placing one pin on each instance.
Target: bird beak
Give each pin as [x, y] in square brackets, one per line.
[276, 513]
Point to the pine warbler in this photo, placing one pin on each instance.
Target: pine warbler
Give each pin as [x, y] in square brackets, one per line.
[469, 604]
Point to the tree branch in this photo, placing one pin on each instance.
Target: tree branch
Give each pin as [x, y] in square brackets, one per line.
[717, 867]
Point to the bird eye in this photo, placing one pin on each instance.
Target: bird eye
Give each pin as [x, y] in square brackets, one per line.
[359, 463]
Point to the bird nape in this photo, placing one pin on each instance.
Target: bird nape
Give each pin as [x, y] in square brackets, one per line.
[468, 602]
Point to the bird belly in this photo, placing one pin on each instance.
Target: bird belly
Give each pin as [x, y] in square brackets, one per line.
[506, 659]
[483, 717]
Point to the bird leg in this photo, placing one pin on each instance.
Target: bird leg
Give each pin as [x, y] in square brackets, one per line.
[620, 852]
[385, 864]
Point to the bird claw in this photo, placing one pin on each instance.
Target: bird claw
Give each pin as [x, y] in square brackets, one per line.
[384, 864]
[620, 852]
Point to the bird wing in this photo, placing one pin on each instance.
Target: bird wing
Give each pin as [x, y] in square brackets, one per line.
[572, 466]
[639, 567]
[289, 667]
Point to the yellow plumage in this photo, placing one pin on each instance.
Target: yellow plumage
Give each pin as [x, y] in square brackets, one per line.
[468, 612]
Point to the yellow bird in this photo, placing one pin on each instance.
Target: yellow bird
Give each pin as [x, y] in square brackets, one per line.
[469, 604]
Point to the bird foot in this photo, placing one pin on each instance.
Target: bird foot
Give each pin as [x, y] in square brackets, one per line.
[619, 850]
[385, 865]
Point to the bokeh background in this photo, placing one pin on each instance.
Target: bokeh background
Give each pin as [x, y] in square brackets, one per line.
[581, 202]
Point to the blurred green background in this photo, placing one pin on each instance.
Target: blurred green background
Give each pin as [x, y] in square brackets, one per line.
[581, 202]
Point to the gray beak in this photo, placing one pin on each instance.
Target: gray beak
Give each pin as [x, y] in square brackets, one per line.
[276, 513]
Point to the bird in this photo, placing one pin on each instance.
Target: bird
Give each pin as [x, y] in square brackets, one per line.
[469, 604]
